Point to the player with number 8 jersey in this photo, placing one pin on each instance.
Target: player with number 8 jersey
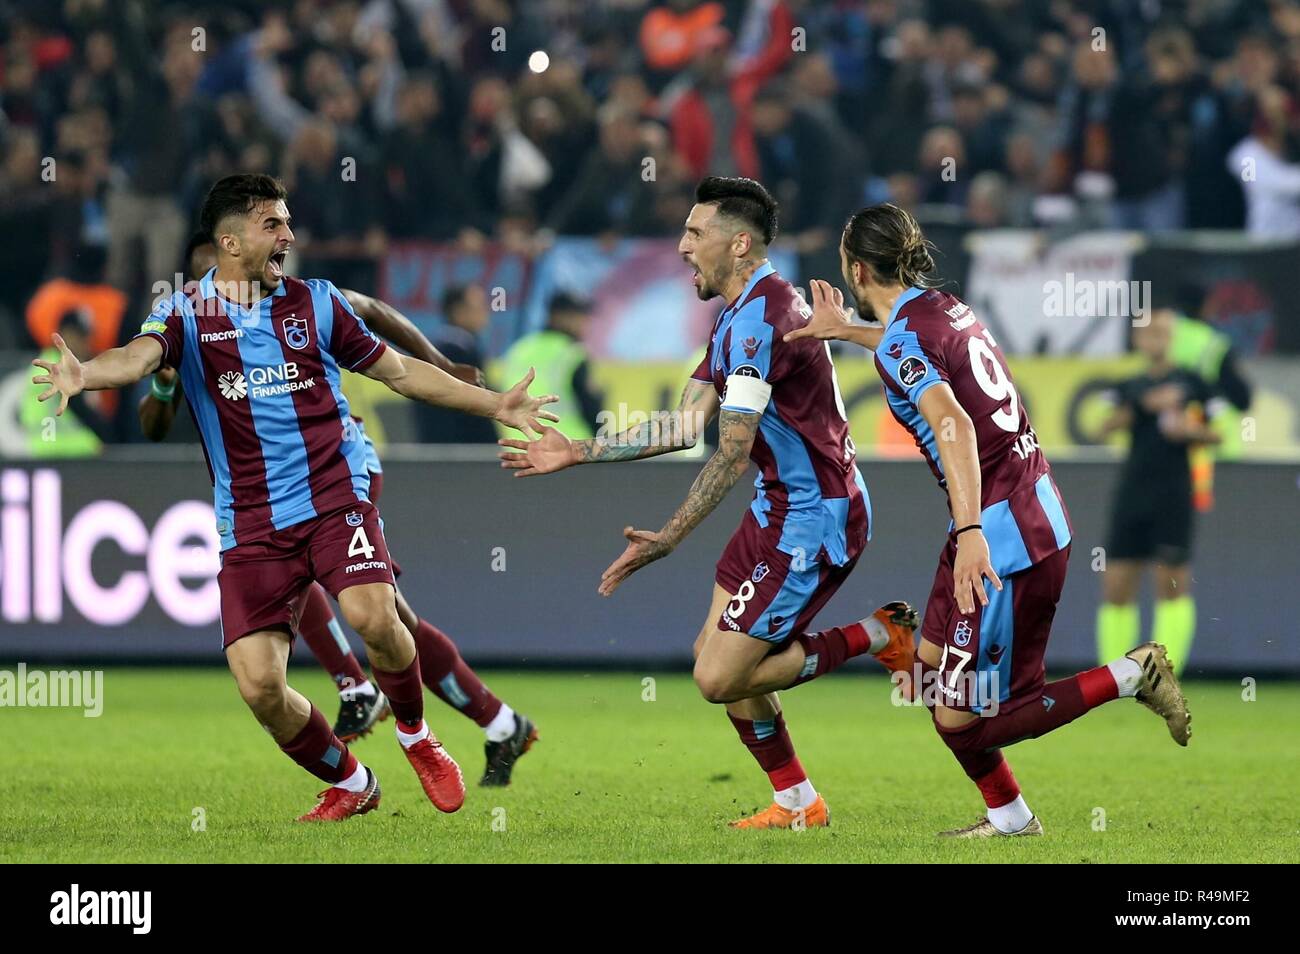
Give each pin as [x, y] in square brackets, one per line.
[981, 655]
[779, 406]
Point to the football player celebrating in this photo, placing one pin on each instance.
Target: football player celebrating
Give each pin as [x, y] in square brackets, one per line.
[508, 734]
[259, 354]
[779, 405]
[981, 655]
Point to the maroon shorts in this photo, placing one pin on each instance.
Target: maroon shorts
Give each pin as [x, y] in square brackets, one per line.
[773, 594]
[993, 658]
[261, 581]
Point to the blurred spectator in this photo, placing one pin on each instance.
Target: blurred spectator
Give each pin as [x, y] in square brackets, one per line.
[82, 429]
[670, 35]
[941, 167]
[424, 190]
[709, 122]
[465, 315]
[156, 148]
[99, 305]
[1266, 164]
[558, 355]
[609, 192]
[25, 221]
[334, 201]
[801, 164]
[986, 202]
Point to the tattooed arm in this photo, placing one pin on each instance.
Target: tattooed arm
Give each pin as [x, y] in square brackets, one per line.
[666, 432]
[736, 431]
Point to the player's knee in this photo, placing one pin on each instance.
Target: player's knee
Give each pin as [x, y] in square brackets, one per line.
[714, 686]
[375, 620]
[263, 691]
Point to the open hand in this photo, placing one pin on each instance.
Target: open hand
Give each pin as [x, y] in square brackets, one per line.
[64, 377]
[522, 411]
[552, 452]
[644, 547]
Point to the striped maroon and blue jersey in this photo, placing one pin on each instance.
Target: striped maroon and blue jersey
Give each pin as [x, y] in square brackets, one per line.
[934, 337]
[264, 387]
[808, 482]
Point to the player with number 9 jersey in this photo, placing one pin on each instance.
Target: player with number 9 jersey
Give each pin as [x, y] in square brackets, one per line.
[933, 337]
[982, 649]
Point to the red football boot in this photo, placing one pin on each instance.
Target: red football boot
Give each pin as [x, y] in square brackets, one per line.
[337, 804]
[438, 773]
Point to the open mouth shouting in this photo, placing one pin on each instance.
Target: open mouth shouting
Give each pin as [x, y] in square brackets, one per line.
[275, 264]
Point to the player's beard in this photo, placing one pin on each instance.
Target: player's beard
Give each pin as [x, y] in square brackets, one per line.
[708, 287]
[865, 311]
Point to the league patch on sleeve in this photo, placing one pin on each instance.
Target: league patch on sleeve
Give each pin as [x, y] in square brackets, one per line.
[911, 370]
[151, 325]
[747, 371]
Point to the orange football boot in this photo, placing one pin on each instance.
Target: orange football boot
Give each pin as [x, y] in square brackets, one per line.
[816, 815]
[899, 655]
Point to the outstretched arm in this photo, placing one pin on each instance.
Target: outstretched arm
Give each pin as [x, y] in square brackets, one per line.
[389, 323]
[736, 431]
[115, 368]
[421, 381]
[664, 433]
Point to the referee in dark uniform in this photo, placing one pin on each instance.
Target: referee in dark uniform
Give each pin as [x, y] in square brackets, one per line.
[1163, 409]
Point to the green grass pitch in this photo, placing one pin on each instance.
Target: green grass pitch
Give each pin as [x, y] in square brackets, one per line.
[616, 778]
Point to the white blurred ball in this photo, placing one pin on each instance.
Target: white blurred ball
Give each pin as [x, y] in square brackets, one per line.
[539, 61]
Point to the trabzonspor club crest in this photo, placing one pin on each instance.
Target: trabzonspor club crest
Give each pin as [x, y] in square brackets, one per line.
[295, 333]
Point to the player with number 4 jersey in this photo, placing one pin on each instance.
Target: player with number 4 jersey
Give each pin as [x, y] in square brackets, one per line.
[981, 656]
[259, 353]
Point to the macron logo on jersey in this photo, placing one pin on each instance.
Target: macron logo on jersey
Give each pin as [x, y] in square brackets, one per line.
[222, 335]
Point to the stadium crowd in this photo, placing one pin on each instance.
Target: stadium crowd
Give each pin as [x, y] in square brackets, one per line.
[421, 119]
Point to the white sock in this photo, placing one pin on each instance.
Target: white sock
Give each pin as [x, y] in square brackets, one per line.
[502, 726]
[409, 739]
[1128, 676]
[366, 688]
[1012, 817]
[796, 796]
[356, 782]
[878, 633]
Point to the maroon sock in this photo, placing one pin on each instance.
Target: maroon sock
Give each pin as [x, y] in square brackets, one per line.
[1058, 704]
[998, 785]
[317, 749]
[320, 630]
[769, 743]
[405, 694]
[449, 678]
[831, 648]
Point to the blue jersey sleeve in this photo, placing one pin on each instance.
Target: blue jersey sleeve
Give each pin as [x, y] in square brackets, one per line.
[904, 361]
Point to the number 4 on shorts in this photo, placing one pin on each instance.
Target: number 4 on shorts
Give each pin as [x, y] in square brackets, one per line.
[360, 544]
